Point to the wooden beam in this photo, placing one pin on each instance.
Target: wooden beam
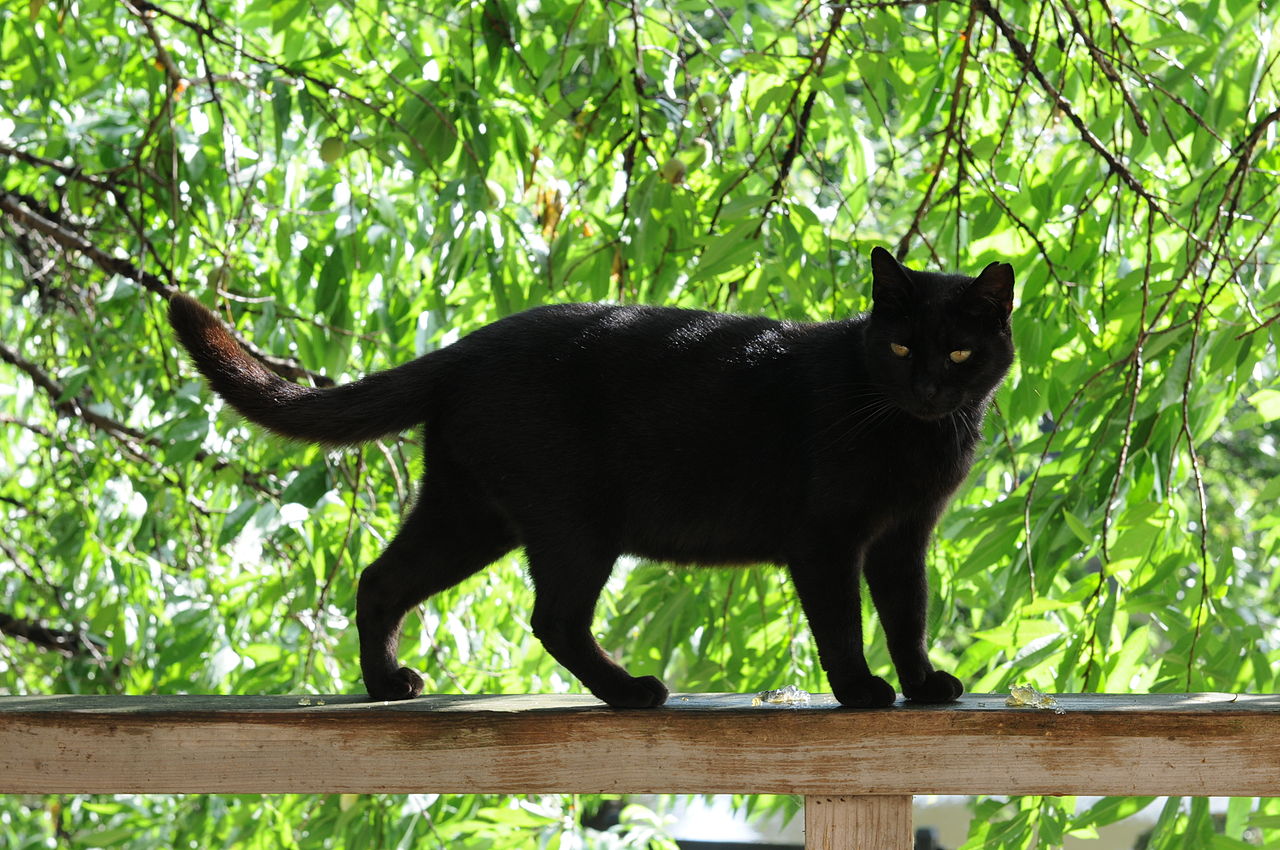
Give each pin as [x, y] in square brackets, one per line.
[1194, 744]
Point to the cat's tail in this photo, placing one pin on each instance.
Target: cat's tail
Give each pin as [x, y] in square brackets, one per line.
[375, 406]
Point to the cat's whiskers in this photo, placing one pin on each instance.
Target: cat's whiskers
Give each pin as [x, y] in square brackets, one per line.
[839, 395]
[963, 417]
[876, 399]
[871, 414]
[844, 400]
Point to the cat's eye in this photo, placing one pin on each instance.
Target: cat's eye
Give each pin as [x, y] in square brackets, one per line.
[900, 350]
[960, 356]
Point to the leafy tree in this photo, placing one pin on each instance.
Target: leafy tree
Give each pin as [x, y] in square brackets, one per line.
[353, 182]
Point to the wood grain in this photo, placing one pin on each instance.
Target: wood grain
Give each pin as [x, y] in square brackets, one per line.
[858, 823]
[1195, 744]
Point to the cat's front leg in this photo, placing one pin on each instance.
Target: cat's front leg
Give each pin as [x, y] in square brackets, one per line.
[828, 591]
[895, 572]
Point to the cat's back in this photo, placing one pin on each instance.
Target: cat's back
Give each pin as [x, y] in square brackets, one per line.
[628, 340]
[583, 326]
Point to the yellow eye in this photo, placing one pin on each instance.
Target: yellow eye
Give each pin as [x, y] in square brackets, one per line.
[960, 356]
[900, 350]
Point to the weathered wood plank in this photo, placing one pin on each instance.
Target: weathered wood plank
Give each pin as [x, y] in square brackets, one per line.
[858, 823]
[1197, 744]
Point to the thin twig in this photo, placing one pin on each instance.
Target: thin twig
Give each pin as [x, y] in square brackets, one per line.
[959, 102]
[816, 64]
[1029, 64]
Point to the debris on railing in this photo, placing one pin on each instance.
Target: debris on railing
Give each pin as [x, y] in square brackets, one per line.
[790, 695]
[1025, 695]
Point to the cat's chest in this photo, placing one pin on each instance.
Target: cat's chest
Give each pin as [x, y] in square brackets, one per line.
[901, 467]
[910, 481]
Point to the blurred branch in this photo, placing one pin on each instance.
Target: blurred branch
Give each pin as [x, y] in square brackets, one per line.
[69, 642]
[111, 184]
[11, 204]
[71, 172]
[6, 419]
[145, 13]
[67, 406]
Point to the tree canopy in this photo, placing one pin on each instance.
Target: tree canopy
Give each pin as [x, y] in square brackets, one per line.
[351, 183]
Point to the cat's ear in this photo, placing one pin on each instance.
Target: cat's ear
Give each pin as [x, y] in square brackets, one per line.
[995, 286]
[889, 280]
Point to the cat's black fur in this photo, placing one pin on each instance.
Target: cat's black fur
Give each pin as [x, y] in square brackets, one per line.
[582, 432]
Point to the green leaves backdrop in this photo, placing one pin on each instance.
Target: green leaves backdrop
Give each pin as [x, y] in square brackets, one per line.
[353, 182]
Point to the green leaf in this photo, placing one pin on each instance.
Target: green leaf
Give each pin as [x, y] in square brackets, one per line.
[1078, 528]
[333, 275]
[281, 107]
[1267, 403]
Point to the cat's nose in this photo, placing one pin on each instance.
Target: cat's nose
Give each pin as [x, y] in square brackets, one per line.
[927, 391]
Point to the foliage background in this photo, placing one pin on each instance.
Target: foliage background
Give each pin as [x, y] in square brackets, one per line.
[1119, 532]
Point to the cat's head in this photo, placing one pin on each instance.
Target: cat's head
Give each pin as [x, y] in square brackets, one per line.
[938, 342]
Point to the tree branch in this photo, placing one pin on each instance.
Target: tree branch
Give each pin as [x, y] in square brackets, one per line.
[58, 232]
[131, 437]
[71, 172]
[69, 642]
[1108, 70]
[11, 204]
[816, 63]
[1029, 65]
[948, 136]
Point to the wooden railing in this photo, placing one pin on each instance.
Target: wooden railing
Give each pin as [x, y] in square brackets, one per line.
[856, 769]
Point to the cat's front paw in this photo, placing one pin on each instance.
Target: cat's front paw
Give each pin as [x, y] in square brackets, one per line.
[634, 692]
[865, 692]
[395, 685]
[937, 687]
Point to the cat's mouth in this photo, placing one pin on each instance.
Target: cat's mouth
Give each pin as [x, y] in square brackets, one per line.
[926, 412]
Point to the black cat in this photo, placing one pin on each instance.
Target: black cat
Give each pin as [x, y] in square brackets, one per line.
[581, 432]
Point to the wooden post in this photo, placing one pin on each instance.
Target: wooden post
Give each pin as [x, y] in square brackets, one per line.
[858, 823]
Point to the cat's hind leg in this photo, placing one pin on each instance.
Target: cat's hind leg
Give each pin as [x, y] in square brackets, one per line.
[567, 581]
[447, 536]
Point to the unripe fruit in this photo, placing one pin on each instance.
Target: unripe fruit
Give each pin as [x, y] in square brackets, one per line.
[331, 149]
[673, 170]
